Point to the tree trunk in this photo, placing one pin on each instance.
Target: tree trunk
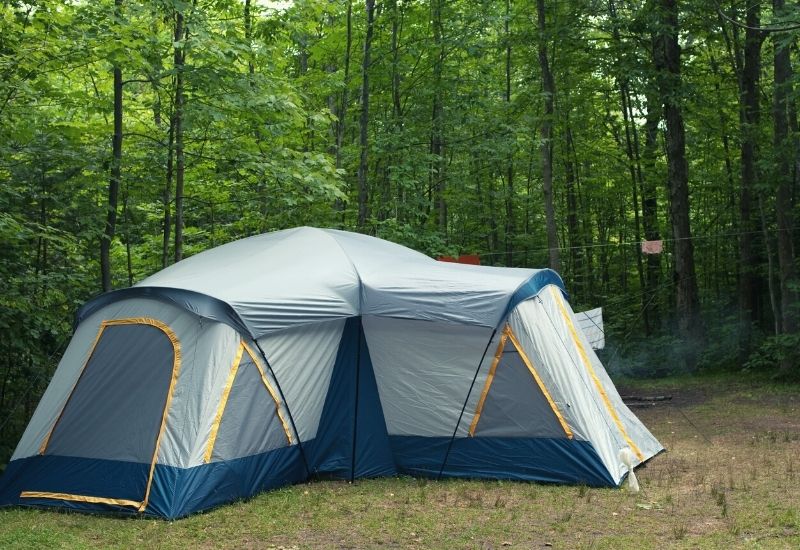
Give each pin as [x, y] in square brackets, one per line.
[363, 195]
[116, 172]
[397, 106]
[749, 116]
[127, 226]
[573, 231]
[634, 168]
[41, 243]
[168, 192]
[668, 62]
[784, 167]
[340, 125]
[341, 108]
[773, 293]
[574, 236]
[548, 87]
[650, 207]
[510, 222]
[179, 61]
[248, 37]
[438, 182]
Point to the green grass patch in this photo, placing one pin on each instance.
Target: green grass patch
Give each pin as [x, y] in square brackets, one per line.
[730, 478]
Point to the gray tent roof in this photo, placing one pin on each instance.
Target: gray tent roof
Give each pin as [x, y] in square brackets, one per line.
[305, 275]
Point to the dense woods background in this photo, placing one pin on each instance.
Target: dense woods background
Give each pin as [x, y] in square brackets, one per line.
[532, 132]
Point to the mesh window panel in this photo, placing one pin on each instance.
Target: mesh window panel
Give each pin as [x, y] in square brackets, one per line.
[115, 410]
[515, 406]
[250, 424]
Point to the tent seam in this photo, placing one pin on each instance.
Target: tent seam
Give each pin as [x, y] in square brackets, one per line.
[352, 264]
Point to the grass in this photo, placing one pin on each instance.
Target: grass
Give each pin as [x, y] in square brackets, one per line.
[730, 479]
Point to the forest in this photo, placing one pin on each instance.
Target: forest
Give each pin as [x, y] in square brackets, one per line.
[533, 133]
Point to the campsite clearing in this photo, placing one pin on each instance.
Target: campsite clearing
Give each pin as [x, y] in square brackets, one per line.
[729, 479]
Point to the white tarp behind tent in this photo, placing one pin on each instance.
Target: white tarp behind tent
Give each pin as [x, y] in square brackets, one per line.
[591, 323]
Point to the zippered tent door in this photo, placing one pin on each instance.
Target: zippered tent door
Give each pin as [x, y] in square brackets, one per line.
[515, 401]
[116, 413]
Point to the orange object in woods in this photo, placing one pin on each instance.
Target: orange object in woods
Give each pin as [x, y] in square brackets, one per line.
[472, 259]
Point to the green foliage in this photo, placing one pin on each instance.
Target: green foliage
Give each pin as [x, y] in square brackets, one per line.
[773, 351]
[271, 139]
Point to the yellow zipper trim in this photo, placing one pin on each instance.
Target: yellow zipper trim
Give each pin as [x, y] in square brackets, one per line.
[80, 498]
[176, 368]
[599, 385]
[489, 378]
[212, 438]
[272, 393]
[539, 382]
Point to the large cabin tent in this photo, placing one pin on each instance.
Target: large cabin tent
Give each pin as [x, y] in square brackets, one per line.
[319, 353]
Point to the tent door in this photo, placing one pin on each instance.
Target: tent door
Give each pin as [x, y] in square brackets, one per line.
[250, 418]
[111, 424]
[515, 401]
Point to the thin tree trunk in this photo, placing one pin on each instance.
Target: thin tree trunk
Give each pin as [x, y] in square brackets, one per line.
[341, 108]
[248, 37]
[668, 61]
[127, 225]
[723, 124]
[650, 206]
[510, 222]
[773, 293]
[116, 174]
[363, 194]
[624, 95]
[784, 155]
[717, 274]
[41, 242]
[573, 230]
[179, 61]
[438, 181]
[633, 163]
[340, 125]
[749, 116]
[168, 193]
[548, 86]
[397, 106]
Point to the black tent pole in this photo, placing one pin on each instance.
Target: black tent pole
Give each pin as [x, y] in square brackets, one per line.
[458, 423]
[285, 404]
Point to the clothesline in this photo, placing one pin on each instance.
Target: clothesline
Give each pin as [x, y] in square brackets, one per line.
[629, 243]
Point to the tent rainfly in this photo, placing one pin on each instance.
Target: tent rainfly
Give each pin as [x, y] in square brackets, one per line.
[319, 353]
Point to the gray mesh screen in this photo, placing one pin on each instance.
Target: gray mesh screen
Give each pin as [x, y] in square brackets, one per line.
[115, 410]
[249, 424]
[515, 406]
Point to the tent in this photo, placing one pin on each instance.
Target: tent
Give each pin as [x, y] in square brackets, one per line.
[316, 353]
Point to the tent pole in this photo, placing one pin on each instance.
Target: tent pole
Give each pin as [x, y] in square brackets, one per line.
[286, 404]
[458, 423]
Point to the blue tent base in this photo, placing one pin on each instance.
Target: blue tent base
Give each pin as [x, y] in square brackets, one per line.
[352, 441]
[175, 492]
[525, 459]
[178, 492]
